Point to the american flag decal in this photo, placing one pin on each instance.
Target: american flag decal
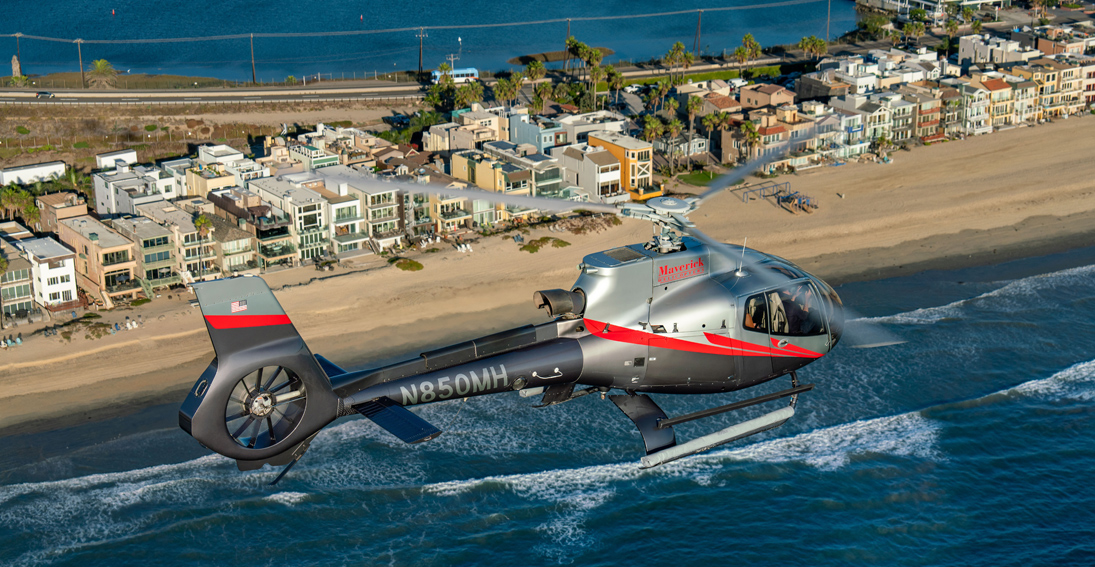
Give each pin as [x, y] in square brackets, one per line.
[238, 306]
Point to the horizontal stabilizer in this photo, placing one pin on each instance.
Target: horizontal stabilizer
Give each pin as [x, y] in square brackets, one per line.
[732, 433]
[329, 367]
[645, 414]
[398, 420]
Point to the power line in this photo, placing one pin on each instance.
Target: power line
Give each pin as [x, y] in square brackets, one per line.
[418, 29]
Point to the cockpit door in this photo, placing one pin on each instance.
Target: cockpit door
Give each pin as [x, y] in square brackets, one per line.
[798, 332]
[754, 353]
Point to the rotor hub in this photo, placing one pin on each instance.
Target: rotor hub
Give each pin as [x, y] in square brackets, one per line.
[262, 405]
[669, 205]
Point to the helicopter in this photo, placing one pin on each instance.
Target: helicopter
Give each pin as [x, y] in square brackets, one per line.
[680, 314]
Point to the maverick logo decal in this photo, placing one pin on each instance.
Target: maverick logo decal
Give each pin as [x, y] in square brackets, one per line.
[674, 273]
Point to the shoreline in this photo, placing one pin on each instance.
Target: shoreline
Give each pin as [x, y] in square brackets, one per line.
[983, 200]
[69, 411]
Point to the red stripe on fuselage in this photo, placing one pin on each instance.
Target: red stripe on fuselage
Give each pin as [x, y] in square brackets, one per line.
[724, 346]
[241, 321]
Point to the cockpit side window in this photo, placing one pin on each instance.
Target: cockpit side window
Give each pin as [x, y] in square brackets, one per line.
[756, 314]
[796, 311]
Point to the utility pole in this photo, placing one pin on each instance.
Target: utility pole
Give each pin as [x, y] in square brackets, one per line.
[17, 54]
[699, 20]
[453, 58]
[253, 59]
[421, 34]
[80, 54]
[828, 15]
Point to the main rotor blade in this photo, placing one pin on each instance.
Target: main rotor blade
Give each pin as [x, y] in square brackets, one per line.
[859, 332]
[733, 254]
[771, 155]
[363, 181]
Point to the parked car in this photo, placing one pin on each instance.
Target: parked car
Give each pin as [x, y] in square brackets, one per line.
[397, 120]
[631, 89]
[43, 94]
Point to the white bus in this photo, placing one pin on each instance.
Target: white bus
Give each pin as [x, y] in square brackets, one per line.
[459, 75]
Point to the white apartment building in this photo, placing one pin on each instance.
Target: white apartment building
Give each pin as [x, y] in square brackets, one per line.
[307, 209]
[594, 169]
[109, 160]
[120, 191]
[53, 269]
[27, 174]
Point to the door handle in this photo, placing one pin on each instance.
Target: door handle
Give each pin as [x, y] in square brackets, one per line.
[782, 343]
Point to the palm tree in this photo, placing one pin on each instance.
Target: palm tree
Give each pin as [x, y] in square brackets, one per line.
[711, 123]
[687, 60]
[673, 129]
[975, 27]
[806, 44]
[518, 80]
[9, 200]
[693, 106]
[535, 70]
[741, 55]
[663, 92]
[544, 92]
[503, 91]
[562, 93]
[967, 13]
[952, 28]
[596, 73]
[671, 105]
[290, 80]
[652, 128]
[725, 123]
[101, 74]
[751, 46]
[750, 136]
[821, 47]
[672, 57]
[615, 81]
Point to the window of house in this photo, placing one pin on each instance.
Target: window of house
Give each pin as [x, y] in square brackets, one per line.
[56, 296]
[53, 281]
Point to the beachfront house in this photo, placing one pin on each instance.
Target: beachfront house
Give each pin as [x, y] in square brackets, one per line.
[234, 248]
[594, 169]
[268, 225]
[28, 174]
[761, 95]
[16, 287]
[106, 263]
[538, 132]
[157, 267]
[195, 259]
[362, 211]
[58, 206]
[312, 157]
[492, 174]
[120, 191]
[53, 269]
[636, 159]
[307, 210]
[496, 120]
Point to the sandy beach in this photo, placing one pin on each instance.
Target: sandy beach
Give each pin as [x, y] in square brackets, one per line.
[1016, 193]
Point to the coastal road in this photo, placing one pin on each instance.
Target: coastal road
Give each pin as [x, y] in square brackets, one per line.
[395, 93]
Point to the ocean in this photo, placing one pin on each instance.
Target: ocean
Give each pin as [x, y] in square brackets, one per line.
[967, 445]
[357, 55]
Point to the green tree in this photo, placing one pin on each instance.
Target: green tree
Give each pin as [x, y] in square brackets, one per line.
[967, 14]
[951, 27]
[671, 105]
[544, 91]
[503, 91]
[710, 124]
[741, 55]
[750, 138]
[751, 46]
[596, 74]
[673, 129]
[652, 128]
[615, 80]
[518, 80]
[918, 15]
[101, 74]
[975, 27]
[535, 70]
[874, 25]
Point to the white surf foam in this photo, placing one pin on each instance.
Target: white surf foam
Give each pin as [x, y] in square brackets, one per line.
[287, 498]
[1074, 382]
[1016, 295]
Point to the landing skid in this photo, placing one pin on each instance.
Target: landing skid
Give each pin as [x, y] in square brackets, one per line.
[657, 428]
[560, 393]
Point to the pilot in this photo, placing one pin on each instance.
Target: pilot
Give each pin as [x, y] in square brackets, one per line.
[802, 318]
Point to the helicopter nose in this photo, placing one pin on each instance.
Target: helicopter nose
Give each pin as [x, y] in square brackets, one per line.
[835, 308]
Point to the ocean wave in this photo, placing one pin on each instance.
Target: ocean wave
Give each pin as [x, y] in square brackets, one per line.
[1016, 295]
[1073, 382]
[287, 498]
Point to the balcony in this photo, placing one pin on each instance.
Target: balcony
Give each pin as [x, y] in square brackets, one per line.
[228, 253]
[166, 281]
[351, 237]
[276, 251]
[392, 203]
[348, 220]
[387, 234]
[923, 112]
[390, 217]
[114, 261]
[455, 214]
[123, 287]
[273, 235]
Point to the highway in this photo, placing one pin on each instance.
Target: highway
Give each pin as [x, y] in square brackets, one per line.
[386, 93]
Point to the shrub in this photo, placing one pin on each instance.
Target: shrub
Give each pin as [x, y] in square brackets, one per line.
[92, 316]
[80, 145]
[22, 130]
[408, 265]
[139, 302]
[151, 128]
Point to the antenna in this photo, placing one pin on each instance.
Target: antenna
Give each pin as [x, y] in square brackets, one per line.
[741, 273]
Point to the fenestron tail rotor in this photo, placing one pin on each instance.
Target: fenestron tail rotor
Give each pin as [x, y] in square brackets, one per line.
[265, 407]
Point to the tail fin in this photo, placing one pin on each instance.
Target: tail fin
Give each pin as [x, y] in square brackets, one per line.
[264, 395]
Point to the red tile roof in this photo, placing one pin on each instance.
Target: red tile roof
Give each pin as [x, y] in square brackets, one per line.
[995, 84]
